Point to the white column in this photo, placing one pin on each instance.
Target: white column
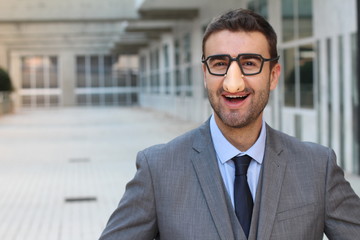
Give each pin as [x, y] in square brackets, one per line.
[346, 80]
[324, 129]
[335, 97]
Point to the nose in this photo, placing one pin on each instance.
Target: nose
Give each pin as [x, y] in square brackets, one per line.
[234, 81]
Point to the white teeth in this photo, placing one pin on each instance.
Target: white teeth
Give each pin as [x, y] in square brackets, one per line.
[235, 96]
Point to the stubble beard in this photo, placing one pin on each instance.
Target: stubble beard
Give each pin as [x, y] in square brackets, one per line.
[236, 119]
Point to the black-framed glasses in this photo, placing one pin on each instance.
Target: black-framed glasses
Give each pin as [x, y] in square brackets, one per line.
[249, 63]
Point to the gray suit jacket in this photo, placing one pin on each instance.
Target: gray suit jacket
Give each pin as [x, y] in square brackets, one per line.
[178, 194]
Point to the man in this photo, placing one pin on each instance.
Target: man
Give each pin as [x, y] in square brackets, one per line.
[193, 187]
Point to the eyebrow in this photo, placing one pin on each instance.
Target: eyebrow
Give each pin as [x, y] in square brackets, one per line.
[251, 55]
[219, 56]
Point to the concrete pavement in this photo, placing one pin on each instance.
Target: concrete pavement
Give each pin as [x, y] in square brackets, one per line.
[63, 171]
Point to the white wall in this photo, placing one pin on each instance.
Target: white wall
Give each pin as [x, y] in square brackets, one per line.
[332, 17]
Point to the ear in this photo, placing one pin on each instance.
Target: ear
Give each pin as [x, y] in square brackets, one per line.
[204, 74]
[274, 76]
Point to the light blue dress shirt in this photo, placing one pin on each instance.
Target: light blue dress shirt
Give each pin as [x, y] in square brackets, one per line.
[225, 151]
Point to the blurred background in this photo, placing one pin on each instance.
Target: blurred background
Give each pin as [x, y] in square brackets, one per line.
[90, 54]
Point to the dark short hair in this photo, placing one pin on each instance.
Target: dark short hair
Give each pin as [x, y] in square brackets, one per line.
[242, 20]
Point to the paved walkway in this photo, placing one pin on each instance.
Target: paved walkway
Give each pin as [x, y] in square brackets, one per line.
[63, 171]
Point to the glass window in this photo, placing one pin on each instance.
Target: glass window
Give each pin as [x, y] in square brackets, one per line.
[81, 99]
[53, 72]
[98, 71]
[143, 76]
[121, 78]
[134, 98]
[157, 59]
[54, 100]
[306, 65]
[167, 82]
[40, 100]
[38, 65]
[305, 18]
[259, 6]
[143, 64]
[152, 69]
[178, 77]
[108, 99]
[177, 52]
[108, 78]
[288, 20]
[296, 19]
[188, 81]
[40, 72]
[299, 76]
[157, 71]
[187, 48]
[26, 73]
[154, 65]
[289, 74]
[133, 78]
[166, 68]
[95, 99]
[95, 71]
[188, 70]
[122, 99]
[178, 82]
[166, 56]
[80, 71]
[26, 100]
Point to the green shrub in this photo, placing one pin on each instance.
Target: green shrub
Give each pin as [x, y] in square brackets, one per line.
[5, 81]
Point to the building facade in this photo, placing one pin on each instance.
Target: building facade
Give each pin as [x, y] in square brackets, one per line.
[114, 52]
[317, 98]
[58, 53]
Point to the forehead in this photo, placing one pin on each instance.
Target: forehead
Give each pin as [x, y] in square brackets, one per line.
[234, 43]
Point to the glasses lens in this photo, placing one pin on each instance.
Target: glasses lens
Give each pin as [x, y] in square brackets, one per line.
[250, 64]
[218, 64]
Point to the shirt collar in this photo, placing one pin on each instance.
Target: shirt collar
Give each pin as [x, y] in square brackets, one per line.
[226, 151]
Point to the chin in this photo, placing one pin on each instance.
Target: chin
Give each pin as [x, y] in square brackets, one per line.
[236, 120]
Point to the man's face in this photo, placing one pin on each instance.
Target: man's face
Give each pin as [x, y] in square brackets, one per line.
[238, 101]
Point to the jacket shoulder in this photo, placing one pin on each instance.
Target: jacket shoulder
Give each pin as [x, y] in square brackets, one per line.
[295, 146]
[181, 145]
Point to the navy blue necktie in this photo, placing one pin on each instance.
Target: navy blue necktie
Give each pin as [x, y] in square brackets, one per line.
[242, 196]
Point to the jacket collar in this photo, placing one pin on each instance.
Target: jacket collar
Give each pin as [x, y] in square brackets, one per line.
[273, 173]
[219, 203]
[206, 168]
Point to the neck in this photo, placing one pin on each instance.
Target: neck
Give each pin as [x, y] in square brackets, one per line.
[241, 138]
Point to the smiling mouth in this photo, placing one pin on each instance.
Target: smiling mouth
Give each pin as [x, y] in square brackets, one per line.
[234, 98]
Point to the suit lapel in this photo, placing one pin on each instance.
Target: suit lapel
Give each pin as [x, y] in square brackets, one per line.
[274, 167]
[273, 172]
[206, 168]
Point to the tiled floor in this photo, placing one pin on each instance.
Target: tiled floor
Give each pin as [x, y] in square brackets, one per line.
[63, 171]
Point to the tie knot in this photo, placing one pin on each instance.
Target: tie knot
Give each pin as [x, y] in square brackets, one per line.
[241, 164]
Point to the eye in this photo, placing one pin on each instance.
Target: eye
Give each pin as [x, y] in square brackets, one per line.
[250, 61]
[218, 62]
